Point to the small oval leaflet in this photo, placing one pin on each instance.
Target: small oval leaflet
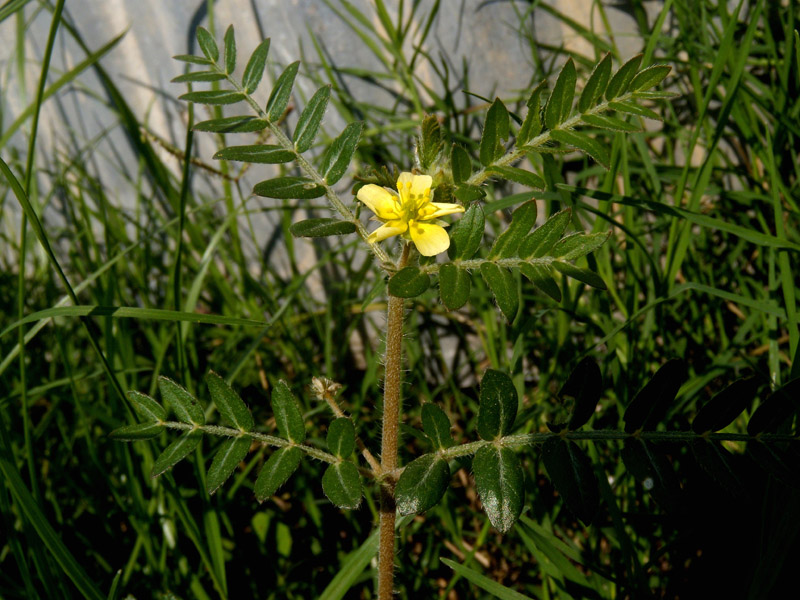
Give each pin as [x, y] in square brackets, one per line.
[651, 403]
[231, 452]
[342, 485]
[254, 70]
[584, 384]
[776, 409]
[146, 407]
[321, 227]
[436, 426]
[498, 405]
[183, 404]
[409, 282]
[341, 437]
[279, 98]
[228, 403]
[454, 286]
[422, 484]
[466, 234]
[572, 475]
[504, 288]
[725, 406]
[176, 452]
[287, 414]
[264, 154]
[138, 431]
[289, 188]
[276, 471]
[499, 479]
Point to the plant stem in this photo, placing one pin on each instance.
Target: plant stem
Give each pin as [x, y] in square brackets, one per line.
[391, 425]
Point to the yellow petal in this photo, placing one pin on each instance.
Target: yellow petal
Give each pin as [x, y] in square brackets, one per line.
[442, 209]
[429, 239]
[380, 201]
[387, 230]
[419, 183]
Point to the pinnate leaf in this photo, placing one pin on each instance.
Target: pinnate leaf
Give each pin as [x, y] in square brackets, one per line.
[498, 405]
[422, 484]
[287, 414]
[176, 452]
[231, 452]
[185, 406]
[342, 485]
[276, 471]
[500, 482]
[254, 70]
[230, 406]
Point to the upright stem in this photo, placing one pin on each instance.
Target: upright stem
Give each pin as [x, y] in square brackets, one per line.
[391, 425]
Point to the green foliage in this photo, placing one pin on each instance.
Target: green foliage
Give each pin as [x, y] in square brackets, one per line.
[422, 484]
[342, 485]
[696, 256]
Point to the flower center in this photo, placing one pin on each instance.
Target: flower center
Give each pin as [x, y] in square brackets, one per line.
[414, 206]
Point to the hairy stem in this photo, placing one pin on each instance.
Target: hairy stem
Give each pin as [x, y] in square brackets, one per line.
[391, 426]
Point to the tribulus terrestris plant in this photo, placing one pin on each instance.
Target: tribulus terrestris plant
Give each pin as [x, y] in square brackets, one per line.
[432, 233]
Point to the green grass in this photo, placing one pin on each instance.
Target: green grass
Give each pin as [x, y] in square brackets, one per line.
[701, 264]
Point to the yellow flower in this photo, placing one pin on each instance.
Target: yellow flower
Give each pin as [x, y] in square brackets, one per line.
[411, 213]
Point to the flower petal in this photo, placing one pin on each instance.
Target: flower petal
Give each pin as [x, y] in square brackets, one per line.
[387, 230]
[442, 209]
[429, 239]
[419, 183]
[380, 201]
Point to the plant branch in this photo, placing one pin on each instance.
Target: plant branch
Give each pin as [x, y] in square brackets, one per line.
[392, 405]
[309, 169]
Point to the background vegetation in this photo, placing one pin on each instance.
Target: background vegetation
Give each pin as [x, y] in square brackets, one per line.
[715, 284]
